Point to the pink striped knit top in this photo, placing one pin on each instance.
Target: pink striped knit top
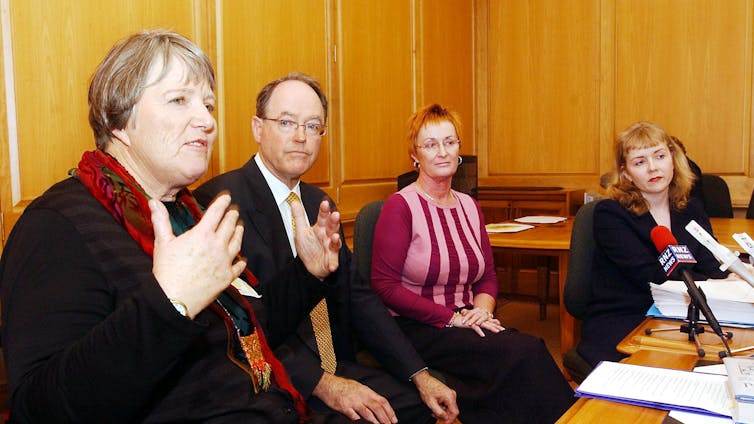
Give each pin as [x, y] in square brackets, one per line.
[427, 259]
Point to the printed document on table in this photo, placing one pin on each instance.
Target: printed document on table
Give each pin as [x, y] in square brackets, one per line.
[658, 388]
[693, 418]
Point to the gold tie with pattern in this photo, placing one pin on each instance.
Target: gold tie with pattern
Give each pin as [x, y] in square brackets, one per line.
[319, 316]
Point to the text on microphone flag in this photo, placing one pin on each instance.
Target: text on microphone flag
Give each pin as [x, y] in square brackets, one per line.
[673, 255]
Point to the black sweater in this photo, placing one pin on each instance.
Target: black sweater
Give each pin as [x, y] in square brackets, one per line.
[89, 336]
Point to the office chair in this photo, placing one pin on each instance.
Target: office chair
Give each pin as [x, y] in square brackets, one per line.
[578, 285]
[363, 235]
[750, 209]
[716, 197]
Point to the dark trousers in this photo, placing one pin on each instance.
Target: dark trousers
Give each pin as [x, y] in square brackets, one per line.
[403, 396]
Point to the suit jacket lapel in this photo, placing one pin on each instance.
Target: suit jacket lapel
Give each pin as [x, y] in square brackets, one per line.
[265, 216]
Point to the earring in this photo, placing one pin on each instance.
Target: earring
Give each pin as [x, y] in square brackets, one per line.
[460, 160]
[417, 165]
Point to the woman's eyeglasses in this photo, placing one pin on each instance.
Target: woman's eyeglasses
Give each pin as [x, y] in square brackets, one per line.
[433, 145]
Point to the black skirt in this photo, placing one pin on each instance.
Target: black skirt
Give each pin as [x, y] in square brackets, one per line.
[506, 377]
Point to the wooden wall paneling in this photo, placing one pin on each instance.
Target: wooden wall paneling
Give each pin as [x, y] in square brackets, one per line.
[686, 66]
[204, 33]
[262, 41]
[607, 91]
[53, 127]
[376, 96]
[55, 47]
[445, 72]
[7, 215]
[481, 85]
[544, 77]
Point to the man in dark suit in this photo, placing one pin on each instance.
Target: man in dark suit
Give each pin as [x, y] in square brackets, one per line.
[288, 127]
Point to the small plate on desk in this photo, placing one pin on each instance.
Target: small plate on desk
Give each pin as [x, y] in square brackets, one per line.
[507, 227]
[540, 219]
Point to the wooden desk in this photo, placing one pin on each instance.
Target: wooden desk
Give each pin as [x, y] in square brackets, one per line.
[677, 342]
[555, 241]
[552, 240]
[676, 352]
[725, 227]
[586, 411]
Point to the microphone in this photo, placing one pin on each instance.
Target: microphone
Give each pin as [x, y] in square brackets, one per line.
[746, 242]
[671, 256]
[728, 259]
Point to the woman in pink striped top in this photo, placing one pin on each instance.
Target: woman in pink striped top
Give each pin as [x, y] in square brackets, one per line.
[432, 266]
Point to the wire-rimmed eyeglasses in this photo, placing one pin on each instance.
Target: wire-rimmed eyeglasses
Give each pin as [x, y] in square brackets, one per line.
[433, 145]
[311, 128]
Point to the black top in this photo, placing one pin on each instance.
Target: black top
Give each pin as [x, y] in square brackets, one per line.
[89, 336]
[353, 307]
[625, 262]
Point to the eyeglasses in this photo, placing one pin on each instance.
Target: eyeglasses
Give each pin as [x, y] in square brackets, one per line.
[311, 128]
[433, 145]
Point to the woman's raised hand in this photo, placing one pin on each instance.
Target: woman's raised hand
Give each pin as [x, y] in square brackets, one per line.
[197, 265]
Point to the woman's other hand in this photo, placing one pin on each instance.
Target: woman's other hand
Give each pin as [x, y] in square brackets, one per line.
[478, 319]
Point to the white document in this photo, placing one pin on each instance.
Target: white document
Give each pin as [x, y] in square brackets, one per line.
[718, 369]
[658, 388]
[692, 418]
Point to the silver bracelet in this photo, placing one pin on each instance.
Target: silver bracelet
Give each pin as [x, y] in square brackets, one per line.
[450, 323]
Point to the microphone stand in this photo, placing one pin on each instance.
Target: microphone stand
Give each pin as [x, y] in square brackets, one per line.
[693, 328]
[690, 326]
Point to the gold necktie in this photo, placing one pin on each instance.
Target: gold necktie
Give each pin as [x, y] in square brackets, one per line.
[319, 316]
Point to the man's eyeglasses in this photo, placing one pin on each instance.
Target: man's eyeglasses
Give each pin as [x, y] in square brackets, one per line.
[311, 128]
[433, 145]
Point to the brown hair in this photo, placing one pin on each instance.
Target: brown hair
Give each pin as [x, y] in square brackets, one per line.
[638, 136]
[430, 114]
[121, 77]
[263, 98]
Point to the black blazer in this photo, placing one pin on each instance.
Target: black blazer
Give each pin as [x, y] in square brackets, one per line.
[625, 261]
[353, 307]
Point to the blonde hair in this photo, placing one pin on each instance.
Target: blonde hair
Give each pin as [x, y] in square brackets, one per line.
[642, 135]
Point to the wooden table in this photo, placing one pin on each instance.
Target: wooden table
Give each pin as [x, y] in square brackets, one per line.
[725, 227]
[551, 240]
[666, 350]
[554, 240]
[676, 342]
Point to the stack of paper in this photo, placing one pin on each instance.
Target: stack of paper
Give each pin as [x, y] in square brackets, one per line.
[659, 388]
[741, 379]
[507, 227]
[732, 301]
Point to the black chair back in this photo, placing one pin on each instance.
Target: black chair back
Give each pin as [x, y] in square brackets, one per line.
[578, 285]
[363, 236]
[716, 197]
[750, 209]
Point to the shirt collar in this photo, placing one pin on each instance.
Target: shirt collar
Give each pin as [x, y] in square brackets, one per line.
[279, 190]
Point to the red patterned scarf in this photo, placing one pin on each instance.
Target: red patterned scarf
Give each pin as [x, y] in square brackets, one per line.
[112, 185]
